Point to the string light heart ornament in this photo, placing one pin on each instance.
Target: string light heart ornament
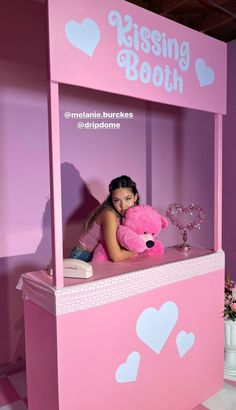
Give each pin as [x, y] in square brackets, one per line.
[185, 218]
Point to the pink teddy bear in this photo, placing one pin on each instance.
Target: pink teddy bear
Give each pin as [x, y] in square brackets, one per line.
[137, 232]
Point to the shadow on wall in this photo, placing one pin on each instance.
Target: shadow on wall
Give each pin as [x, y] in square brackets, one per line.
[77, 203]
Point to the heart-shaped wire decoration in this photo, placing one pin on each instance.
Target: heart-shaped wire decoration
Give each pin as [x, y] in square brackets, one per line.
[175, 211]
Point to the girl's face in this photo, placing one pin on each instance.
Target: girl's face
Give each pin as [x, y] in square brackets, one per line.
[122, 199]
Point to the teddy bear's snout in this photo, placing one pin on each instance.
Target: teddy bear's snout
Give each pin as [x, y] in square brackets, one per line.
[149, 244]
[148, 239]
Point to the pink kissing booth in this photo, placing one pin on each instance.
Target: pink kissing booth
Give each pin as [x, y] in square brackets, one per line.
[133, 336]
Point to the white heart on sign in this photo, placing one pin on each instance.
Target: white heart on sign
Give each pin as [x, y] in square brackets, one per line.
[84, 36]
[184, 342]
[205, 74]
[128, 371]
[154, 326]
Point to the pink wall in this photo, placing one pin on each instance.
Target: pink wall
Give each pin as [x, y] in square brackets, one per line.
[92, 158]
[153, 148]
[229, 167]
[182, 166]
[168, 151]
[23, 169]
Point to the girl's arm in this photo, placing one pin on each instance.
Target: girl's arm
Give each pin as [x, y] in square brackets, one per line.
[109, 223]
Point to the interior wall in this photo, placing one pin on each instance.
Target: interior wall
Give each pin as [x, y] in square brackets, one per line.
[183, 168]
[93, 157]
[24, 173]
[167, 150]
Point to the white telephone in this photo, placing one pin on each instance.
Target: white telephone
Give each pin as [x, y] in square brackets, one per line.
[76, 268]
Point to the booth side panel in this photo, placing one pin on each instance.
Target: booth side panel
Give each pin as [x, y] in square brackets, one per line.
[162, 349]
[41, 358]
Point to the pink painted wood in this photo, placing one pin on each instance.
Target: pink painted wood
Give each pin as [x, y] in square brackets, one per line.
[73, 357]
[55, 184]
[114, 54]
[67, 72]
[218, 183]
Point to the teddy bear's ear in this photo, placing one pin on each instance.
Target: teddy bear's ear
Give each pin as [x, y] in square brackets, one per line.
[164, 222]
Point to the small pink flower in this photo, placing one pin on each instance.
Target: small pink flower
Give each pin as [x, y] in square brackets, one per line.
[233, 307]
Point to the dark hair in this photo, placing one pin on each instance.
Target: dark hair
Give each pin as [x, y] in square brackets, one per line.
[123, 182]
[120, 182]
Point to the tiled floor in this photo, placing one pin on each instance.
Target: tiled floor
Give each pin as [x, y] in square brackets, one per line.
[225, 399]
[13, 395]
[13, 392]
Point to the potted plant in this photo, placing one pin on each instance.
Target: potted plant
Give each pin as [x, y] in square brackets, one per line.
[230, 329]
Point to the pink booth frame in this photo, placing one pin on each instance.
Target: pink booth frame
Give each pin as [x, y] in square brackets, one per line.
[120, 340]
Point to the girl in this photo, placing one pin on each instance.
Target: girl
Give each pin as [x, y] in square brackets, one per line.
[102, 225]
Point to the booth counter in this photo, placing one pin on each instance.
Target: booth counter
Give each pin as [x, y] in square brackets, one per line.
[146, 333]
[149, 338]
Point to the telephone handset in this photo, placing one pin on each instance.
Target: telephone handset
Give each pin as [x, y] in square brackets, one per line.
[76, 268]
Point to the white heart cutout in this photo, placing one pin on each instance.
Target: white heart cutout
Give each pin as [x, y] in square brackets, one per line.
[128, 371]
[154, 326]
[205, 74]
[85, 36]
[184, 342]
